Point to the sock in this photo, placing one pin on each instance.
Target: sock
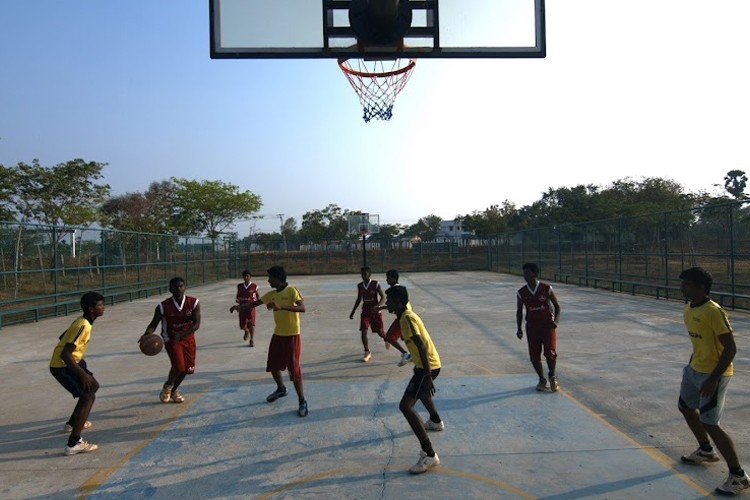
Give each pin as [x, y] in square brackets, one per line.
[427, 448]
[737, 472]
[705, 446]
[435, 418]
[73, 440]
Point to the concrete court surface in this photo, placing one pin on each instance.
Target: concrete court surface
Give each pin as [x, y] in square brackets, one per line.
[612, 431]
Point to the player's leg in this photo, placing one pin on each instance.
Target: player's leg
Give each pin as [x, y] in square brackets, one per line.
[427, 458]
[550, 354]
[251, 328]
[434, 422]
[80, 415]
[275, 364]
[294, 354]
[392, 336]
[364, 325]
[534, 341]
[688, 404]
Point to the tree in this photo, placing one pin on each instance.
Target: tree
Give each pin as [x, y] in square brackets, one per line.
[7, 192]
[492, 220]
[211, 206]
[425, 228]
[329, 223]
[64, 195]
[735, 183]
[152, 212]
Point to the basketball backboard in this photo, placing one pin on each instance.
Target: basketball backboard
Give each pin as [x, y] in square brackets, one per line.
[364, 224]
[284, 29]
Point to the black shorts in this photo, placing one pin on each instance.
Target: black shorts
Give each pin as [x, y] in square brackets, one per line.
[70, 380]
[415, 388]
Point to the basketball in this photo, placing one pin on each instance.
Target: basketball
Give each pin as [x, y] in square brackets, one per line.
[151, 345]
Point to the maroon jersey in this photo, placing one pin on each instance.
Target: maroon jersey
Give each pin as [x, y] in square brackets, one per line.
[369, 296]
[539, 308]
[176, 318]
[247, 293]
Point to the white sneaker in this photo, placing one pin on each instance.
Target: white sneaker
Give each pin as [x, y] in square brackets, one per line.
[69, 428]
[367, 357]
[733, 485]
[432, 426]
[80, 447]
[424, 463]
[700, 457]
[405, 358]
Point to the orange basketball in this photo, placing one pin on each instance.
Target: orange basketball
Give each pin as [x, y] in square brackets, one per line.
[151, 345]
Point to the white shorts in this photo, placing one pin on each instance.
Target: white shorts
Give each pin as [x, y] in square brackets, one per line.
[710, 408]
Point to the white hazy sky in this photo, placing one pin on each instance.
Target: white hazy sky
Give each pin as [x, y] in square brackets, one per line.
[629, 88]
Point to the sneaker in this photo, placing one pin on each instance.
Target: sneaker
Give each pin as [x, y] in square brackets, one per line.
[553, 384]
[424, 463]
[80, 447]
[278, 393]
[405, 358]
[733, 485]
[165, 396]
[177, 396]
[69, 428]
[302, 409]
[367, 357]
[246, 336]
[542, 385]
[700, 457]
[432, 426]
[251, 343]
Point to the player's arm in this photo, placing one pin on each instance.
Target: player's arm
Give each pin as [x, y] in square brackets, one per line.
[428, 383]
[245, 306]
[519, 317]
[151, 328]
[382, 297]
[556, 307]
[727, 355]
[356, 304]
[297, 307]
[67, 356]
[196, 322]
[237, 297]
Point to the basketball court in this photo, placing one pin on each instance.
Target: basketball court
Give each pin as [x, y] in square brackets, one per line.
[612, 431]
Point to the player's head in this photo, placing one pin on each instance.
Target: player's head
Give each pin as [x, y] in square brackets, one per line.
[177, 286]
[696, 281]
[391, 276]
[246, 275]
[396, 298]
[92, 303]
[365, 271]
[530, 272]
[276, 276]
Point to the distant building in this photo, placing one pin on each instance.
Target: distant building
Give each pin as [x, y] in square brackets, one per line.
[452, 230]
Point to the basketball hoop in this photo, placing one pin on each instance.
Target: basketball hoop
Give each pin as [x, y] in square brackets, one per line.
[364, 229]
[377, 83]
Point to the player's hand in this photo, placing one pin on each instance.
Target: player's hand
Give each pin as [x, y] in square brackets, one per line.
[429, 385]
[553, 325]
[351, 316]
[709, 387]
[88, 381]
[519, 333]
[140, 339]
[233, 308]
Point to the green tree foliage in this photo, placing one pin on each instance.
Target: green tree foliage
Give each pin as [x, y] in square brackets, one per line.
[153, 211]
[330, 223]
[425, 228]
[210, 207]
[735, 183]
[66, 194]
[7, 192]
[493, 220]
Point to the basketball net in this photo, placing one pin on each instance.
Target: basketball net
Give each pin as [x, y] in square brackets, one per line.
[377, 82]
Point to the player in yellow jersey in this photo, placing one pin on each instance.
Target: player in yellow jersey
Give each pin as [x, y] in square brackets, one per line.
[421, 386]
[68, 366]
[706, 377]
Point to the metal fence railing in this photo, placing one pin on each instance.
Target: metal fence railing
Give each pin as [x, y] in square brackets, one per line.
[44, 269]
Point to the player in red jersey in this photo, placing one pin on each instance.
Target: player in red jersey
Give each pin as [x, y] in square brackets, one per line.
[393, 334]
[372, 297]
[247, 291]
[180, 317]
[542, 318]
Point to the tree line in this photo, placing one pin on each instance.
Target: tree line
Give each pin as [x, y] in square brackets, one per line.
[73, 194]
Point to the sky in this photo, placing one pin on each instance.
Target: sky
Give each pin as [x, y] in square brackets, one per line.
[629, 88]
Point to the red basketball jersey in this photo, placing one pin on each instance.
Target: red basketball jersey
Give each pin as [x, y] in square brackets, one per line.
[177, 318]
[247, 293]
[369, 296]
[539, 308]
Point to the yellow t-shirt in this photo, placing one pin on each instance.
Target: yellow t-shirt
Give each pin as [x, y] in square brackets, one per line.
[287, 322]
[411, 326]
[705, 323]
[78, 333]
